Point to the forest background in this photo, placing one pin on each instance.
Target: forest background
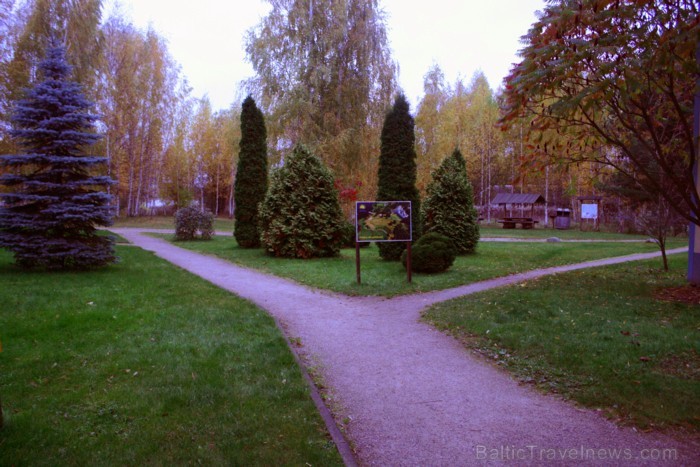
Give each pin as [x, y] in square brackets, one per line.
[324, 77]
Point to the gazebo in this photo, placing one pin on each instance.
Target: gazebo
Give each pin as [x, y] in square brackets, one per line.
[523, 199]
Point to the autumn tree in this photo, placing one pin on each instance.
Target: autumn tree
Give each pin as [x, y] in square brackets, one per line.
[178, 169]
[251, 175]
[57, 199]
[205, 152]
[448, 207]
[430, 124]
[228, 134]
[8, 27]
[77, 22]
[652, 214]
[397, 170]
[325, 77]
[138, 99]
[465, 116]
[613, 75]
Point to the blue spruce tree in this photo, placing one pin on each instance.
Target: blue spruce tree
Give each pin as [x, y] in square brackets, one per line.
[54, 198]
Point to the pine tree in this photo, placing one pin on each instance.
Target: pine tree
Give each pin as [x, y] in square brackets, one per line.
[55, 201]
[397, 170]
[251, 176]
[448, 208]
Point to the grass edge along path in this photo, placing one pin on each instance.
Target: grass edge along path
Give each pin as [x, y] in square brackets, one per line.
[596, 336]
[388, 278]
[143, 363]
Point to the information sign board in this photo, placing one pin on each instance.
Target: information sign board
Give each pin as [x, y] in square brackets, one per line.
[383, 221]
[589, 211]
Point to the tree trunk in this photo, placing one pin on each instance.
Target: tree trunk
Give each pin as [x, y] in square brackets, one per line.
[662, 246]
[216, 205]
[231, 194]
[488, 196]
[130, 193]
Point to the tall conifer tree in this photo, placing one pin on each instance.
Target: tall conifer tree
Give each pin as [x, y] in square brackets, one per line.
[55, 199]
[448, 208]
[251, 176]
[397, 169]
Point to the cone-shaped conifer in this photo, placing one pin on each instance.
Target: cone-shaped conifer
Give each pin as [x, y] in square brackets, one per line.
[301, 215]
[397, 170]
[55, 198]
[448, 208]
[251, 176]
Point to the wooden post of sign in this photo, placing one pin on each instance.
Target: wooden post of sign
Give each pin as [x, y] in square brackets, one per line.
[408, 261]
[357, 261]
[1, 422]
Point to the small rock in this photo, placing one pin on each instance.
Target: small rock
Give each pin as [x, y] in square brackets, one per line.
[554, 240]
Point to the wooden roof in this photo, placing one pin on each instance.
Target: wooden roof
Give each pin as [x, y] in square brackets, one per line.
[518, 198]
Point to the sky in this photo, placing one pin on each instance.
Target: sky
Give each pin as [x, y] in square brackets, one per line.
[462, 36]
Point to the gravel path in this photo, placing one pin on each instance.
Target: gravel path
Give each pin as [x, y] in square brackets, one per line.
[414, 396]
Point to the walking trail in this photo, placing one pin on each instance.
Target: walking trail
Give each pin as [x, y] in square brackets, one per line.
[413, 395]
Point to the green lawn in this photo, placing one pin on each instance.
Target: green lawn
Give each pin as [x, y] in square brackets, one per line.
[167, 222]
[389, 278]
[487, 230]
[141, 363]
[495, 230]
[597, 336]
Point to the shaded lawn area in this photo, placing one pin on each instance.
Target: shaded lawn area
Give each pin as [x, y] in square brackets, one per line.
[388, 278]
[167, 222]
[141, 363]
[597, 336]
[493, 230]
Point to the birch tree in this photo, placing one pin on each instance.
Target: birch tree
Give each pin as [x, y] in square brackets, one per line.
[139, 84]
[325, 77]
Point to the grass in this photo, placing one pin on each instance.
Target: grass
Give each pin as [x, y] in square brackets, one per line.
[167, 222]
[487, 230]
[389, 278]
[596, 336]
[495, 230]
[141, 363]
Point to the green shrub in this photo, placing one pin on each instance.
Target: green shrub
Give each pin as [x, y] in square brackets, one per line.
[434, 252]
[191, 220]
[448, 208]
[349, 236]
[301, 216]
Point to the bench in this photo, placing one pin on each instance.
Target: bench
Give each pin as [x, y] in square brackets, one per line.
[512, 222]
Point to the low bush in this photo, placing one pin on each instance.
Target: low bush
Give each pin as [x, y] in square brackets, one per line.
[191, 220]
[434, 252]
[349, 236]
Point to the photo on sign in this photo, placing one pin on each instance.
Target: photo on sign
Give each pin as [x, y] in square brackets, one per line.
[383, 221]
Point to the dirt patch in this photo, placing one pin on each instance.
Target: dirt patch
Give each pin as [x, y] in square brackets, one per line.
[685, 365]
[685, 294]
